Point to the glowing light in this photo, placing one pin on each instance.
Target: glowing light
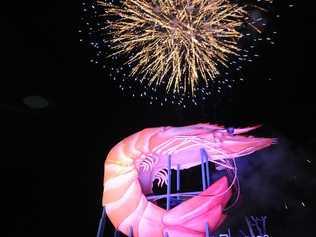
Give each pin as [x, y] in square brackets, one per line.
[129, 177]
[176, 43]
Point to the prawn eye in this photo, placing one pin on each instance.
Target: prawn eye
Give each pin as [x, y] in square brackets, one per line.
[230, 130]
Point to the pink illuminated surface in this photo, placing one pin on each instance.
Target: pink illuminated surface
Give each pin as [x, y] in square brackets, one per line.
[134, 163]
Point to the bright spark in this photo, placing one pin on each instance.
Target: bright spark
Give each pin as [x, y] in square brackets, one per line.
[176, 43]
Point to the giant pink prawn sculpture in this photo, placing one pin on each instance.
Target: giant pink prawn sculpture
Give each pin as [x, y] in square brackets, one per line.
[134, 163]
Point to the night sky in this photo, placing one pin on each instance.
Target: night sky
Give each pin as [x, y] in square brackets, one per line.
[52, 158]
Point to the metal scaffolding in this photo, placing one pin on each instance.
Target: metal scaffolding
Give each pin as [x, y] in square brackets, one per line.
[171, 198]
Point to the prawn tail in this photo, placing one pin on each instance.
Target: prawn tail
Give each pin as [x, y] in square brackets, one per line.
[126, 205]
[190, 217]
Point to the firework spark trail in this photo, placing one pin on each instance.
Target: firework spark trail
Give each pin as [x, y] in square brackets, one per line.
[175, 42]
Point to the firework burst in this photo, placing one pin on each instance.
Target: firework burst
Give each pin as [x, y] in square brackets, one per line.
[176, 43]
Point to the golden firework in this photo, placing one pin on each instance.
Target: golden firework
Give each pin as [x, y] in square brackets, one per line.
[175, 42]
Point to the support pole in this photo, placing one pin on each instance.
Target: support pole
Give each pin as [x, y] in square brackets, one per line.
[102, 223]
[186, 194]
[130, 234]
[169, 182]
[208, 177]
[207, 230]
[116, 233]
[203, 170]
[178, 180]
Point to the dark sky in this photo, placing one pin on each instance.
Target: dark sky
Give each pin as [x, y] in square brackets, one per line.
[51, 159]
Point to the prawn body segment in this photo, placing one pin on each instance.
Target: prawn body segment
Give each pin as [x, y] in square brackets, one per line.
[134, 163]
